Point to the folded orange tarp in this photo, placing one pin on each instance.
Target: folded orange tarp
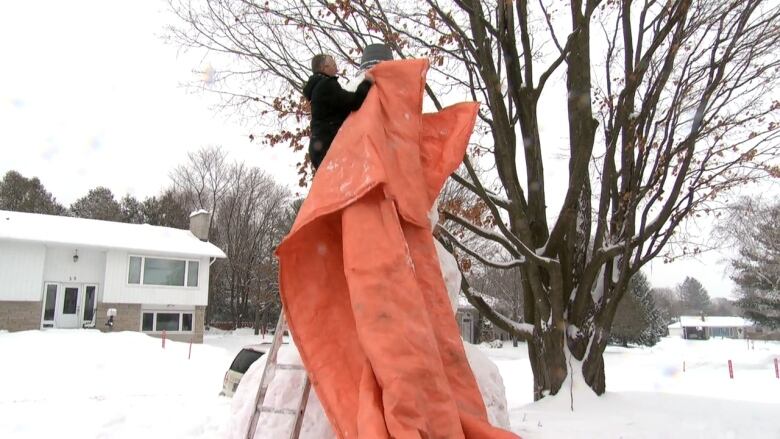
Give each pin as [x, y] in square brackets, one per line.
[360, 279]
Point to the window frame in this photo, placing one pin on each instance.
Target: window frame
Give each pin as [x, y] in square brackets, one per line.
[92, 322]
[154, 313]
[186, 261]
[49, 323]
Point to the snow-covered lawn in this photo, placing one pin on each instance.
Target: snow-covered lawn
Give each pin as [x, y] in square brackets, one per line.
[85, 384]
[649, 395]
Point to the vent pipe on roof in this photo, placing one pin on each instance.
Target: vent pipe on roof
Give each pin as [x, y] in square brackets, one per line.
[199, 224]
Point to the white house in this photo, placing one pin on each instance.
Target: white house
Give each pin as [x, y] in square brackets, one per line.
[63, 272]
[704, 327]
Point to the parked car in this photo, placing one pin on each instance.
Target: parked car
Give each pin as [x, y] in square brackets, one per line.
[245, 358]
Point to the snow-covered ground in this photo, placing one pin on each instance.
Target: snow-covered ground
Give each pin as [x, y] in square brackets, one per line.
[85, 384]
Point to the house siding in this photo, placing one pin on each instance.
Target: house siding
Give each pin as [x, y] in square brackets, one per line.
[20, 315]
[59, 267]
[21, 271]
[117, 290]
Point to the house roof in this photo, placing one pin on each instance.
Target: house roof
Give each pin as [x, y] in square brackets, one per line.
[714, 321]
[463, 302]
[64, 230]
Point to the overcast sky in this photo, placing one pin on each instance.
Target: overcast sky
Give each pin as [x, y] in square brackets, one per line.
[90, 95]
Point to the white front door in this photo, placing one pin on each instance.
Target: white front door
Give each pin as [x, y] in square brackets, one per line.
[68, 306]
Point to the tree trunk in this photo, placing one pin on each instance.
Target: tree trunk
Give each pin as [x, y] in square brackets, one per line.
[257, 321]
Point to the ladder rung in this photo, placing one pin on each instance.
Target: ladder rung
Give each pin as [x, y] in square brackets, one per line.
[289, 366]
[278, 411]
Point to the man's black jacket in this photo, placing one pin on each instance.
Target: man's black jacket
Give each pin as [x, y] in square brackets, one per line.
[330, 106]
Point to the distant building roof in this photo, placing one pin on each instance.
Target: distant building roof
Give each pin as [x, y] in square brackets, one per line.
[65, 230]
[714, 321]
[463, 302]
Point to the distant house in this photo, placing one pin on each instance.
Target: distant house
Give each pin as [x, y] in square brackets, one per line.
[704, 327]
[675, 330]
[64, 272]
[468, 319]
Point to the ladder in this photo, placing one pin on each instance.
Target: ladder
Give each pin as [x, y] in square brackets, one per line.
[271, 366]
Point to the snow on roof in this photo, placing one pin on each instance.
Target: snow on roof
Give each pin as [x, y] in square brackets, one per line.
[675, 325]
[715, 321]
[64, 230]
[463, 302]
[198, 212]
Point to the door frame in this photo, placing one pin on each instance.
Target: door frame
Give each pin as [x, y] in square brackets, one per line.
[83, 303]
[59, 319]
[50, 323]
[81, 297]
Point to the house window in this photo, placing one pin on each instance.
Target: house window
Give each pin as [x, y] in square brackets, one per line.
[147, 324]
[51, 300]
[163, 272]
[168, 272]
[158, 321]
[186, 322]
[89, 304]
[134, 274]
[192, 273]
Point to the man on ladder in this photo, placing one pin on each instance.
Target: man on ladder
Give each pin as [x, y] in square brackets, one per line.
[330, 106]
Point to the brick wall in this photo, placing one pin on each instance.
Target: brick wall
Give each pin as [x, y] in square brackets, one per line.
[19, 315]
[128, 318]
[22, 316]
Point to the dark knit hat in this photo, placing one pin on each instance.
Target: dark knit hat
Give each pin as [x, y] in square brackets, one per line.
[373, 54]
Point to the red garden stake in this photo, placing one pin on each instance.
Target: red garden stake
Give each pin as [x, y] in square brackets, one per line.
[683, 366]
[189, 355]
[731, 370]
[163, 339]
[777, 370]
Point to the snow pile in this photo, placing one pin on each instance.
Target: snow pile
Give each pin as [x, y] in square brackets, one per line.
[450, 272]
[284, 391]
[87, 384]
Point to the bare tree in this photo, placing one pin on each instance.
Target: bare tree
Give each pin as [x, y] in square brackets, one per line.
[201, 183]
[672, 112]
[250, 226]
[203, 180]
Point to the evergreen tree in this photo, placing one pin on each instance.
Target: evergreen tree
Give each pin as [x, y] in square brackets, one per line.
[131, 210]
[98, 204]
[22, 194]
[166, 210]
[694, 297]
[757, 268]
[638, 320]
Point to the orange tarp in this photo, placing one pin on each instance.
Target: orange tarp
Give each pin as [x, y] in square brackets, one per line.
[360, 279]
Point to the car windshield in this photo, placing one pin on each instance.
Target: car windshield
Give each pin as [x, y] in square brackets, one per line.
[244, 359]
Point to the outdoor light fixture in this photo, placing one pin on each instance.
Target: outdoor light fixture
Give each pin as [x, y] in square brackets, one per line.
[76, 256]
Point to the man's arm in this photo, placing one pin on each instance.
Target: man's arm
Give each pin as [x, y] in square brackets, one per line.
[348, 100]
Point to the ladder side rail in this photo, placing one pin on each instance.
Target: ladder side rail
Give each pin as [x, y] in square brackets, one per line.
[270, 361]
[296, 431]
